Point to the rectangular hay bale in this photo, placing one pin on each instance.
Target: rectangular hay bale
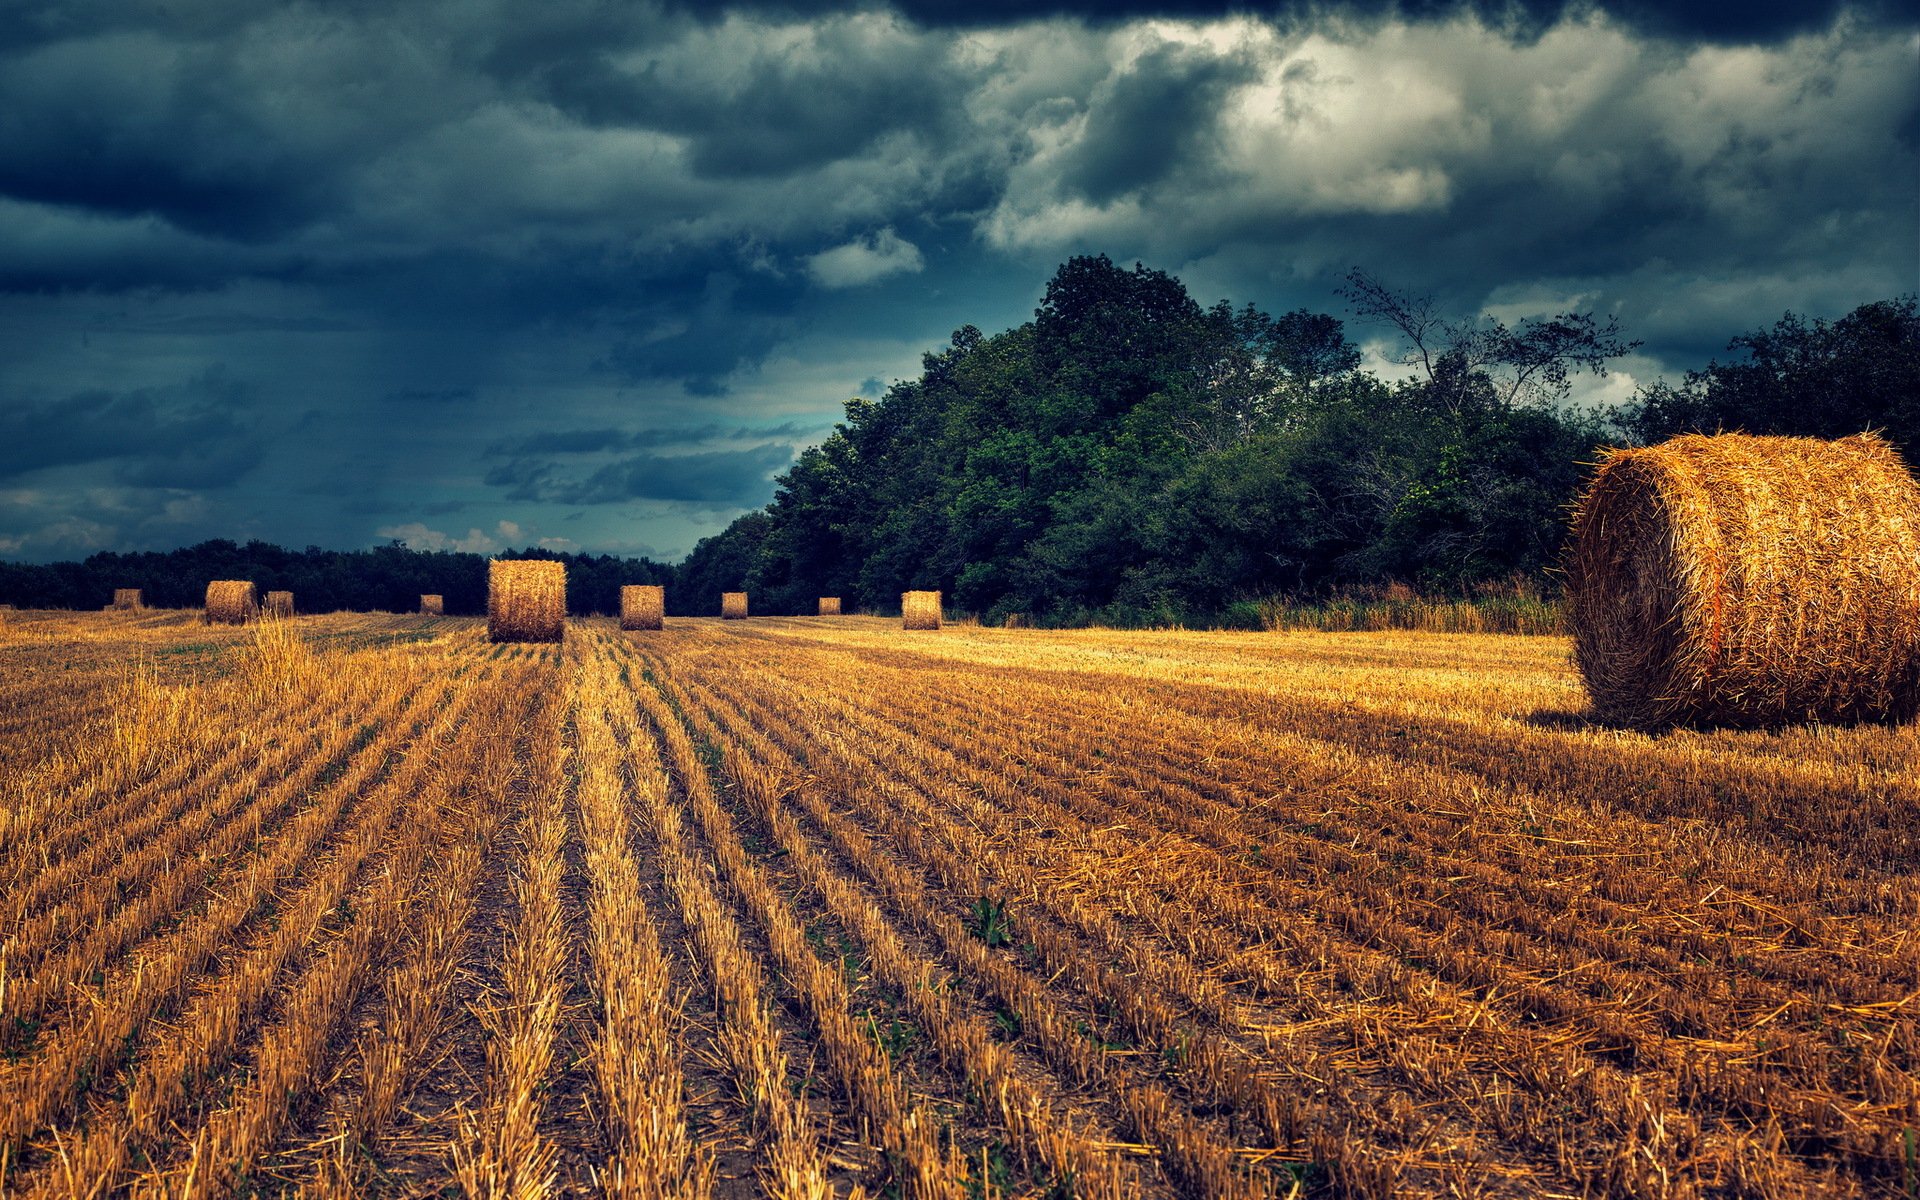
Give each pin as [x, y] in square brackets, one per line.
[526, 600]
[920, 610]
[432, 604]
[733, 606]
[127, 599]
[643, 606]
[829, 606]
[279, 604]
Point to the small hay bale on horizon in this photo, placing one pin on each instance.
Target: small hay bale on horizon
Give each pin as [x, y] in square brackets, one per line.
[643, 606]
[829, 606]
[920, 610]
[127, 600]
[231, 602]
[733, 606]
[1748, 582]
[526, 600]
[278, 604]
[432, 604]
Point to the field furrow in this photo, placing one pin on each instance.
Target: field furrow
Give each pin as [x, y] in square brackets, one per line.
[821, 909]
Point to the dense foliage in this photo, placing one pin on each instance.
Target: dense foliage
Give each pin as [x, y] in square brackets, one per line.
[1129, 455]
[1812, 379]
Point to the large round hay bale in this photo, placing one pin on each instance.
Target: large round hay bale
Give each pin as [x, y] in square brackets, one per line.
[526, 600]
[920, 610]
[829, 606]
[1748, 581]
[232, 602]
[643, 606]
[127, 599]
[279, 604]
[733, 606]
[432, 604]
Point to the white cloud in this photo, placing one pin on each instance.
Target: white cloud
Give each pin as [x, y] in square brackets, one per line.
[419, 537]
[865, 260]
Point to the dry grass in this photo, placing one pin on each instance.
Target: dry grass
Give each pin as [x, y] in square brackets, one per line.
[1749, 581]
[340, 908]
[127, 600]
[643, 606]
[526, 600]
[829, 606]
[920, 610]
[231, 602]
[278, 604]
[733, 606]
[432, 604]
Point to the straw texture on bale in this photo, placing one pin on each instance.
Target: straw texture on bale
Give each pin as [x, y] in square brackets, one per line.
[232, 602]
[733, 606]
[920, 610]
[279, 604]
[1748, 582]
[643, 606]
[829, 606]
[526, 600]
[432, 604]
[127, 598]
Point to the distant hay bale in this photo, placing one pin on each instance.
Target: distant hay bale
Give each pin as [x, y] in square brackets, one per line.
[232, 602]
[829, 606]
[127, 599]
[1748, 581]
[526, 600]
[279, 604]
[733, 606]
[432, 604]
[920, 610]
[643, 606]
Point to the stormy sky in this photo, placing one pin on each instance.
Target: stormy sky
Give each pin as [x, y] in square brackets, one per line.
[584, 273]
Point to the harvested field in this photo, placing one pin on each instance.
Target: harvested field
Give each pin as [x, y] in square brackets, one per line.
[362, 905]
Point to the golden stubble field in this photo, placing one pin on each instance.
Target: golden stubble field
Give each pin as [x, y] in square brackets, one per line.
[365, 905]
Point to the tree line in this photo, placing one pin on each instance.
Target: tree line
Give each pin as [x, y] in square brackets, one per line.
[1129, 456]
[390, 578]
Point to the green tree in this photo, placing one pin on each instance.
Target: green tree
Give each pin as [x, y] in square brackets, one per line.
[1801, 377]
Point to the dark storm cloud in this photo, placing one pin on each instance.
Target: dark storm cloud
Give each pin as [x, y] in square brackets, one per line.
[1713, 19]
[777, 108]
[1141, 124]
[737, 478]
[699, 339]
[472, 248]
[601, 441]
[430, 397]
[199, 435]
